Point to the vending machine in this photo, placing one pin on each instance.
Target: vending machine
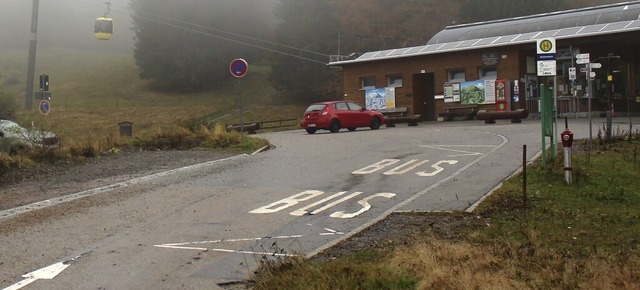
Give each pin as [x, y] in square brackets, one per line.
[503, 95]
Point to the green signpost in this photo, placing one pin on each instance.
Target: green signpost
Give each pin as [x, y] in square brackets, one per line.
[547, 116]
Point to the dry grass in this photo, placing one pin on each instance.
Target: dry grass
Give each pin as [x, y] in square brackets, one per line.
[439, 264]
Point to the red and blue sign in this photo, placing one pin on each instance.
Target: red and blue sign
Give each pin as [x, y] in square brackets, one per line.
[239, 67]
[44, 107]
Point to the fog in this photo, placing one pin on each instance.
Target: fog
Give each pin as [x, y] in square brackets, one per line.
[65, 24]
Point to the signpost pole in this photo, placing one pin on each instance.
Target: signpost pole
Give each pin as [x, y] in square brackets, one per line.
[31, 65]
[239, 68]
[546, 56]
[590, 97]
[555, 112]
[241, 116]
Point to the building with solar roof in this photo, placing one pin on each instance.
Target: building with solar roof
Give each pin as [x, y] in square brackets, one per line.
[500, 65]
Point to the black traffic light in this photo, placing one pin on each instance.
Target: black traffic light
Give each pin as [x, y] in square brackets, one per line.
[44, 83]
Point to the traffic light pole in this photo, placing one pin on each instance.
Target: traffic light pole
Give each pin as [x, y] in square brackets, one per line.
[31, 66]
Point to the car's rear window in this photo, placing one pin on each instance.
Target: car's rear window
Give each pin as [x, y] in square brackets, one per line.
[315, 108]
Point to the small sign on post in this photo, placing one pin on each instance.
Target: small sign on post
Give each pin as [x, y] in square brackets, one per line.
[239, 68]
[546, 56]
[44, 107]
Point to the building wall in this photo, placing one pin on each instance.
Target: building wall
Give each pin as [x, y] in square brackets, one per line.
[510, 66]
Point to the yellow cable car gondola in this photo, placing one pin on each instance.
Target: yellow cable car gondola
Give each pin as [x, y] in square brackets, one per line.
[104, 26]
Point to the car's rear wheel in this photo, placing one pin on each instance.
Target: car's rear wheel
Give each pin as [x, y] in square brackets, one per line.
[375, 123]
[311, 131]
[334, 126]
[352, 129]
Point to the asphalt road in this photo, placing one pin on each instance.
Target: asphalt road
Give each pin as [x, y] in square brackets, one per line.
[213, 223]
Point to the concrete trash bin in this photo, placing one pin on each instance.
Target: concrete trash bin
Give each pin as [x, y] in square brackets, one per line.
[126, 128]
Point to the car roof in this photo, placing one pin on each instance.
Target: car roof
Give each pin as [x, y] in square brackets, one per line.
[328, 102]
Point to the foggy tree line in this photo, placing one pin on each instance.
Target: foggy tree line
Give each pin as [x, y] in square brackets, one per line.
[295, 37]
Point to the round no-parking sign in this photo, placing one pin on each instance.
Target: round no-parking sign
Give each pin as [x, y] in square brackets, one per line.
[239, 67]
[44, 107]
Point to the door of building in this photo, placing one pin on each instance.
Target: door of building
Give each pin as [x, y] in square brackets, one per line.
[424, 99]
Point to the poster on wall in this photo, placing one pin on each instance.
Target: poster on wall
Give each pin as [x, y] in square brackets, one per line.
[451, 92]
[382, 98]
[448, 92]
[375, 99]
[478, 92]
[472, 93]
[489, 91]
[390, 97]
[456, 92]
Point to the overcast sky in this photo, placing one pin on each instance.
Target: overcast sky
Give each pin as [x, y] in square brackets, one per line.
[64, 23]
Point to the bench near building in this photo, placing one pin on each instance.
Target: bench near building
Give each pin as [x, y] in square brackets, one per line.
[493, 66]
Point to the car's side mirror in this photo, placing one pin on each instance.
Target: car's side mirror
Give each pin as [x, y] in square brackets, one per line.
[363, 109]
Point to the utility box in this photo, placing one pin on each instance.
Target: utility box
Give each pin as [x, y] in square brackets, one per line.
[126, 128]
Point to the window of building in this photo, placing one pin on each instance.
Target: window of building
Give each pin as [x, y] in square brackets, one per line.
[456, 75]
[394, 80]
[368, 82]
[488, 73]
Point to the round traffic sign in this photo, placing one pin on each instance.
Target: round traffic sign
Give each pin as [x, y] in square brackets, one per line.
[239, 67]
[44, 107]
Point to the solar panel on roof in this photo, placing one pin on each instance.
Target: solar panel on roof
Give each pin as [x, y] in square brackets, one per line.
[367, 55]
[616, 26]
[428, 48]
[485, 41]
[592, 28]
[415, 49]
[546, 34]
[558, 25]
[449, 45]
[526, 36]
[399, 51]
[567, 31]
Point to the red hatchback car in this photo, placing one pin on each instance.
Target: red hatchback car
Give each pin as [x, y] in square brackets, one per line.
[335, 115]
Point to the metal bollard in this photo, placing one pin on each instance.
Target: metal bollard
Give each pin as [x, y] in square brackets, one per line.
[567, 143]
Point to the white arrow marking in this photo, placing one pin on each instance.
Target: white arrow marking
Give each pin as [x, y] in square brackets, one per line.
[191, 245]
[46, 273]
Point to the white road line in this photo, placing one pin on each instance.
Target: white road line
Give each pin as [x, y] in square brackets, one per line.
[186, 246]
[464, 153]
[9, 213]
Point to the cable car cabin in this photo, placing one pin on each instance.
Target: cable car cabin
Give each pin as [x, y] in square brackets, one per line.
[104, 28]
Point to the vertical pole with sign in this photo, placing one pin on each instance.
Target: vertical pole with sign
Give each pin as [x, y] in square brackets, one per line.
[583, 58]
[239, 68]
[546, 56]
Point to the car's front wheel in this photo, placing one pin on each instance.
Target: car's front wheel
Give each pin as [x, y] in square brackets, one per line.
[334, 126]
[375, 123]
[311, 131]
